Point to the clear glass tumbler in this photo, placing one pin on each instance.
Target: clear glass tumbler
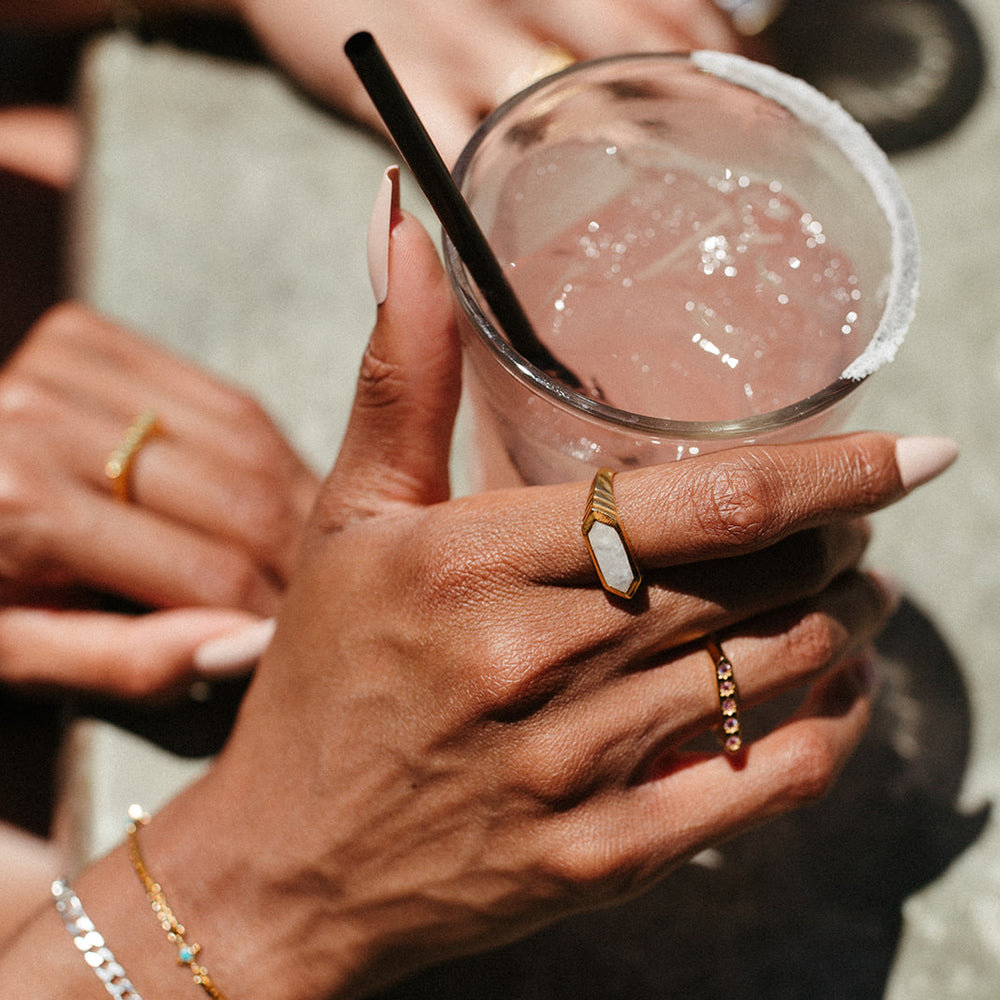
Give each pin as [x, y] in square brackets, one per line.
[717, 251]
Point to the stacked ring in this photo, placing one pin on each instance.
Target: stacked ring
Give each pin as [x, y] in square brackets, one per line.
[730, 730]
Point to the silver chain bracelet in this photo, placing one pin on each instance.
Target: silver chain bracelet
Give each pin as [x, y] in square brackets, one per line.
[91, 943]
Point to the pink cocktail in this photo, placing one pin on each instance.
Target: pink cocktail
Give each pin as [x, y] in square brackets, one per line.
[720, 254]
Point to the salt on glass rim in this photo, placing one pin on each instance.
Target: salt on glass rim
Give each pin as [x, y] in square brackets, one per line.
[852, 139]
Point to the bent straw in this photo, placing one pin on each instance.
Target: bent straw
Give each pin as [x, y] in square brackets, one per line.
[446, 200]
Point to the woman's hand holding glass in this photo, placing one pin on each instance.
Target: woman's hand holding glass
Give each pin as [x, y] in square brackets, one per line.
[456, 736]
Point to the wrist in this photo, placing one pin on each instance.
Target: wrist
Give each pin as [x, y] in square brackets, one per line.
[258, 916]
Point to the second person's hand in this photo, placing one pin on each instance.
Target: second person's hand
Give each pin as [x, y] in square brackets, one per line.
[215, 503]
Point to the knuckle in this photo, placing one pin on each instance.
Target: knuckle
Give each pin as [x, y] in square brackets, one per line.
[578, 862]
[550, 778]
[26, 529]
[64, 319]
[735, 503]
[23, 401]
[594, 867]
[380, 382]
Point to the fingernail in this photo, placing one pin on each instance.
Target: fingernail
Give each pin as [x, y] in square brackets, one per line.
[385, 217]
[751, 17]
[920, 459]
[236, 651]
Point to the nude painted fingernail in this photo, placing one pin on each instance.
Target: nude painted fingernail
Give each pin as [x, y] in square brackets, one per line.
[920, 459]
[385, 217]
[236, 651]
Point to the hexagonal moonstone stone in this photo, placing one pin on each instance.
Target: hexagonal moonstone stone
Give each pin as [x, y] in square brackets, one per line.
[609, 553]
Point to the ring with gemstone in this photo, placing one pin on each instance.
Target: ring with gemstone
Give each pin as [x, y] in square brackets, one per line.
[730, 731]
[606, 540]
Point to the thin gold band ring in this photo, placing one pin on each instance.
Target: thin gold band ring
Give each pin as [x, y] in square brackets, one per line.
[118, 467]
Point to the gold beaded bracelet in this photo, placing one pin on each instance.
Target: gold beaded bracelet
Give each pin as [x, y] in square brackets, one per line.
[187, 954]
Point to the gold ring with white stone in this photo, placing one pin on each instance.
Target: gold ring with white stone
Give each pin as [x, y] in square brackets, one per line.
[606, 540]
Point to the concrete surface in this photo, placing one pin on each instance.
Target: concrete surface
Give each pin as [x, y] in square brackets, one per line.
[226, 216]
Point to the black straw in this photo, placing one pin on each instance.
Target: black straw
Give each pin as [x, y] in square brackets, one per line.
[451, 208]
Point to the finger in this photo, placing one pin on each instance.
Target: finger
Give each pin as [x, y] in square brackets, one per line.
[634, 836]
[117, 374]
[396, 448]
[216, 463]
[723, 505]
[41, 142]
[632, 720]
[459, 73]
[699, 598]
[131, 657]
[588, 28]
[746, 499]
[258, 505]
[58, 531]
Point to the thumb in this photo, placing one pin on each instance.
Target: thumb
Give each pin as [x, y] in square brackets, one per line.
[398, 439]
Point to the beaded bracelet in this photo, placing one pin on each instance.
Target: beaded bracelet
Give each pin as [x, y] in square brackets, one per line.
[90, 943]
[187, 954]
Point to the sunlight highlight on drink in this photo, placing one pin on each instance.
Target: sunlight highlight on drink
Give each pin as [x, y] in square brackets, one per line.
[718, 252]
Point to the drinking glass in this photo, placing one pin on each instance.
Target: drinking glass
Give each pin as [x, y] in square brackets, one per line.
[720, 254]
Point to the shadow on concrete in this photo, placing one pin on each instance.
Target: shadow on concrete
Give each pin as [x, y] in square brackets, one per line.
[808, 906]
[909, 70]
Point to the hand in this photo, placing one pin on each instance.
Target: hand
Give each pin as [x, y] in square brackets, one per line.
[220, 500]
[456, 736]
[458, 60]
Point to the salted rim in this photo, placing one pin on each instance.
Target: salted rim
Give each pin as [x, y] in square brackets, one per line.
[853, 141]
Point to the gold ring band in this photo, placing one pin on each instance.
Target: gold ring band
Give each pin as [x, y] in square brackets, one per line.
[547, 59]
[606, 540]
[730, 730]
[118, 467]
